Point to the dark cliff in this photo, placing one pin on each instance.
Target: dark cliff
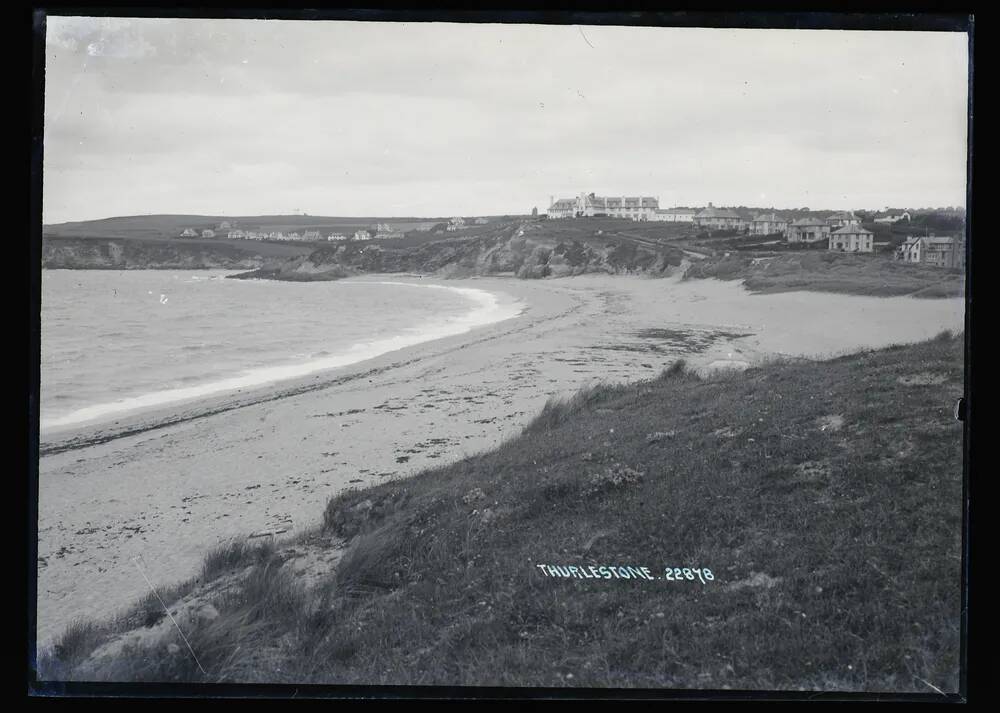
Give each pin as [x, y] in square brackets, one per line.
[129, 254]
[525, 251]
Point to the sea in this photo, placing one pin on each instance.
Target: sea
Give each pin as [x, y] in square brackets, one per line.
[116, 342]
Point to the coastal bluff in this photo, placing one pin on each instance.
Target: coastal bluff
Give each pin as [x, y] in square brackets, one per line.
[72, 253]
[527, 251]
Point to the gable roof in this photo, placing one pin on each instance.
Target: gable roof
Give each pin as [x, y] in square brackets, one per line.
[769, 218]
[932, 240]
[803, 222]
[618, 202]
[851, 230]
[717, 213]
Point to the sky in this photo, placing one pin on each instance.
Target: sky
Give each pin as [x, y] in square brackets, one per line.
[251, 117]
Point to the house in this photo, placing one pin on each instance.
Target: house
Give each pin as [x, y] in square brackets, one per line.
[839, 220]
[484, 221]
[807, 230]
[189, 233]
[207, 233]
[384, 231]
[933, 250]
[588, 205]
[236, 234]
[673, 215]
[293, 236]
[852, 239]
[456, 224]
[894, 218]
[311, 235]
[225, 225]
[768, 224]
[274, 235]
[718, 219]
[362, 235]
[336, 236]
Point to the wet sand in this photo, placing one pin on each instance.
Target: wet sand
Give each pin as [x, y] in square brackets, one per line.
[171, 484]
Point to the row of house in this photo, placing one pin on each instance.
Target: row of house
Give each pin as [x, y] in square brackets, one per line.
[805, 229]
[382, 232]
[309, 235]
[357, 235]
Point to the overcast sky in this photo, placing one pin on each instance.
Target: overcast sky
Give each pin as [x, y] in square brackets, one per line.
[231, 117]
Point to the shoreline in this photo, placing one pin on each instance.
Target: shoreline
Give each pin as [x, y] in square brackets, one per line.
[170, 487]
[215, 399]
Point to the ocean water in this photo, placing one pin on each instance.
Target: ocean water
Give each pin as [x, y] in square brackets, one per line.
[114, 342]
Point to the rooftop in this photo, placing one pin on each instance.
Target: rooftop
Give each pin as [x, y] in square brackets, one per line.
[851, 230]
[803, 222]
[713, 212]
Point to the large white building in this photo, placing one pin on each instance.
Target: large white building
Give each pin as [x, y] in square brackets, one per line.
[587, 205]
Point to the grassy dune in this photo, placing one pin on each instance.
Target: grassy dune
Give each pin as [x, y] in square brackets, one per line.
[823, 496]
[823, 271]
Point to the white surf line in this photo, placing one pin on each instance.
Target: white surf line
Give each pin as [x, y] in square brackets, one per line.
[487, 312]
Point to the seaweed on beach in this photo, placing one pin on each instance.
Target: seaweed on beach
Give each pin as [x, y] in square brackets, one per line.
[673, 340]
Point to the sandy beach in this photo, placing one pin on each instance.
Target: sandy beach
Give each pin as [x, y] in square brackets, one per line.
[166, 486]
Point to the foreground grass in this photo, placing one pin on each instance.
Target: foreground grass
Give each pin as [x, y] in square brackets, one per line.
[824, 496]
[824, 271]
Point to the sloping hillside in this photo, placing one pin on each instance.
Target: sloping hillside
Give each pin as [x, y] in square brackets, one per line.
[795, 526]
[823, 271]
[146, 227]
[525, 250]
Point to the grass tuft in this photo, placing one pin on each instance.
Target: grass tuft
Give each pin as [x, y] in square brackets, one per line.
[825, 497]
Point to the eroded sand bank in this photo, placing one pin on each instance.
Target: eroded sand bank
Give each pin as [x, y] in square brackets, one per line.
[268, 460]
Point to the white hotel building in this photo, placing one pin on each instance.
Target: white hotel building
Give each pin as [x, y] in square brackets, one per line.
[589, 205]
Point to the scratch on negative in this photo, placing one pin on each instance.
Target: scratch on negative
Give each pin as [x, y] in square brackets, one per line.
[582, 34]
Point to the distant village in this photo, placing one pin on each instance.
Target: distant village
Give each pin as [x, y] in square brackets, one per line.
[841, 231]
[379, 231]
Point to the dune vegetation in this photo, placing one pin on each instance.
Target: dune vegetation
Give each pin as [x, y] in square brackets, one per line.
[796, 525]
